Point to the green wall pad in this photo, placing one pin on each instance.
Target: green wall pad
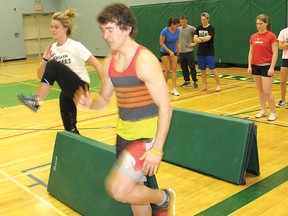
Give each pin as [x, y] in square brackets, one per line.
[78, 171]
[219, 146]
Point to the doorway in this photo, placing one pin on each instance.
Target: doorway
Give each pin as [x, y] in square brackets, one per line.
[37, 35]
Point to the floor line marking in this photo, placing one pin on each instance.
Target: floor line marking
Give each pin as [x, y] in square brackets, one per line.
[244, 197]
[39, 198]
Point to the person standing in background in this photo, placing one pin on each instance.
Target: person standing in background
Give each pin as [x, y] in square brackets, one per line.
[283, 45]
[169, 38]
[204, 36]
[186, 52]
[262, 58]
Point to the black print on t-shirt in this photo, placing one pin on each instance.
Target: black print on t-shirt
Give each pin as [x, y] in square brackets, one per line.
[63, 59]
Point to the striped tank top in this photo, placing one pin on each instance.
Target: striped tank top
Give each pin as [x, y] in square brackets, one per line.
[138, 114]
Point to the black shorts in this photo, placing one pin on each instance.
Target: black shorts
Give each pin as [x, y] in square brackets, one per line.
[166, 54]
[284, 63]
[260, 70]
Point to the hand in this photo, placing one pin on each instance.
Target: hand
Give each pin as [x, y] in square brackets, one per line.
[48, 52]
[270, 72]
[249, 70]
[190, 45]
[151, 163]
[82, 98]
[172, 54]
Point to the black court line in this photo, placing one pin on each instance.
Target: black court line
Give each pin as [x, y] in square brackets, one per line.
[37, 180]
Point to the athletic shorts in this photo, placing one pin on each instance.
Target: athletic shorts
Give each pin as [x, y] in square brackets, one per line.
[206, 60]
[166, 54]
[260, 70]
[129, 162]
[284, 63]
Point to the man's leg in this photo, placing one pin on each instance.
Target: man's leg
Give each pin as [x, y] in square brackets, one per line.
[212, 67]
[123, 189]
[125, 182]
[184, 68]
[191, 62]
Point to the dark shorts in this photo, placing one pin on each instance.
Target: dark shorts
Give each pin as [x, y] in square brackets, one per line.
[284, 63]
[166, 54]
[260, 70]
[206, 60]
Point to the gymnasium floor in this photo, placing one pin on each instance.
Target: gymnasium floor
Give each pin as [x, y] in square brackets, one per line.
[27, 141]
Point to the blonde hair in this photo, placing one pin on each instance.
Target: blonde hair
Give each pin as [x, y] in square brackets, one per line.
[264, 18]
[66, 19]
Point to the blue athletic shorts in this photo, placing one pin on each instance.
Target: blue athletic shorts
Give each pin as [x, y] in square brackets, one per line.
[206, 60]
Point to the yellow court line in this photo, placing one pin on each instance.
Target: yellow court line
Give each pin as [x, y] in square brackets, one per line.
[39, 198]
[29, 84]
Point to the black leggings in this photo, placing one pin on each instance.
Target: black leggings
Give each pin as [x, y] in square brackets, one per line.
[69, 82]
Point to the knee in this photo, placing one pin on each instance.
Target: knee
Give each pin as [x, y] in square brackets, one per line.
[283, 82]
[173, 69]
[52, 64]
[268, 93]
[116, 193]
[167, 70]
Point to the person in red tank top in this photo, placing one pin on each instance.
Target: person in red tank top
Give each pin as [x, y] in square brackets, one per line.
[139, 157]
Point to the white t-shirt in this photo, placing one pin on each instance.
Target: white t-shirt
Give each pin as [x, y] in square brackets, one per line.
[74, 55]
[283, 37]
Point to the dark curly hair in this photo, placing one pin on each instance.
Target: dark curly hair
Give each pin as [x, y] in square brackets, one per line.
[119, 14]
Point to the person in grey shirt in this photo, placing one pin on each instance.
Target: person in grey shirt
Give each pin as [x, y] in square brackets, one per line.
[186, 52]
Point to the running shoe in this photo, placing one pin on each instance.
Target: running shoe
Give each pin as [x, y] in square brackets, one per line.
[168, 208]
[32, 102]
[261, 114]
[272, 117]
[280, 104]
[185, 84]
[175, 92]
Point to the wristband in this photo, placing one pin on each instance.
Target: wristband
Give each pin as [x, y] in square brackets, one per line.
[156, 152]
[45, 59]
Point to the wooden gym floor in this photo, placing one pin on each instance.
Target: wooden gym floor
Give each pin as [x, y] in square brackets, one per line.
[27, 141]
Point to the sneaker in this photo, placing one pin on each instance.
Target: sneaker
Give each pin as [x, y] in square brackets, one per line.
[175, 92]
[280, 104]
[168, 208]
[195, 84]
[261, 114]
[32, 102]
[185, 84]
[272, 117]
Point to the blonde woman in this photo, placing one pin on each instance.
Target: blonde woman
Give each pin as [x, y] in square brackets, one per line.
[262, 58]
[64, 62]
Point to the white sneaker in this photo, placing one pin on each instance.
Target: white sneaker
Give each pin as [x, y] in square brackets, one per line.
[175, 92]
[261, 114]
[272, 117]
[280, 104]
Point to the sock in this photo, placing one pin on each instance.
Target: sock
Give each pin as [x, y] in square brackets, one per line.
[165, 199]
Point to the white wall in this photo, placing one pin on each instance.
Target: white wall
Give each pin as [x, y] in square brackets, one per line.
[87, 30]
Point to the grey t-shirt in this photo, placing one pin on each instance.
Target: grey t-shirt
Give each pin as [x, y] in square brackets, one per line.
[185, 38]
